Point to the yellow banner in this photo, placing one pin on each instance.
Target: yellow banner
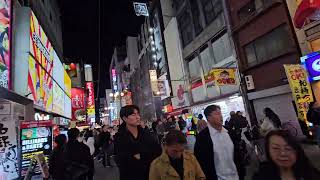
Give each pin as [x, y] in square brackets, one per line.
[300, 87]
[225, 77]
[67, 83]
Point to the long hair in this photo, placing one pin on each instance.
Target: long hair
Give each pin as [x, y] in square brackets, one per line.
[273, 117]
[303, 167]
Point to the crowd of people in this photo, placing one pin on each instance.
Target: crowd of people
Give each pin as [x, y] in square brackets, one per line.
[159, 152]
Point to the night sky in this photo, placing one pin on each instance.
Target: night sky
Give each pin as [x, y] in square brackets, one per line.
[80, 25]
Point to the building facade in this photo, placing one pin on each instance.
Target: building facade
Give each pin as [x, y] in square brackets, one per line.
[263, 48]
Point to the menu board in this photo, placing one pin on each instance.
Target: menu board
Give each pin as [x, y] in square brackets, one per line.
[36, 138]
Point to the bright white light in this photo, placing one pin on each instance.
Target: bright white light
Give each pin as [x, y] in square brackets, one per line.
[158, 93]
[153, 49]
[151, 38]
[106, 108]
[111, 94]
[155, 64]
[116, 94]
[122, 94]
[150, 30]
[154, 56]
[153, 43]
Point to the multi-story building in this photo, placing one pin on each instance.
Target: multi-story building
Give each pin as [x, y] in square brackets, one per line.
[201, 56]
[264, 39]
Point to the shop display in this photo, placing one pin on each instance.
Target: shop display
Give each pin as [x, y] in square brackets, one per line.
[5, 30]
[36, 138]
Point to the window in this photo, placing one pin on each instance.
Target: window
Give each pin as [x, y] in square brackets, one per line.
[221, 48]
[211, 9]
[248, 10]
[196, 16]
[194, 69]
[269, 46]
[207, 60]
[185, 28]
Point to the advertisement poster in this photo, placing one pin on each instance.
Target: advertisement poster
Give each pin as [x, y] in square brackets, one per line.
[77, 104]
[300, 87]
[9, 167]
[67, 84]
[5, 29]
[58, 70]
[58, 99]
[90, 100]
[39, 85]
[36, 138]
[67, 107]
[40, 46]
[224, 76]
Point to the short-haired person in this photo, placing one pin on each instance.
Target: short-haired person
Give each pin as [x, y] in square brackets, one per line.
[214, 148]
[135, 148]
[175, 163]
[286, 159]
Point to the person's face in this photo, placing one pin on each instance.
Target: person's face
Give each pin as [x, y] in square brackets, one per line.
[281, 153]
[175, 151]
[215, 118]
[133, 119]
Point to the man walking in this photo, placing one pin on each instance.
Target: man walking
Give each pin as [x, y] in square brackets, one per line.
[214, 148]
[135, 148]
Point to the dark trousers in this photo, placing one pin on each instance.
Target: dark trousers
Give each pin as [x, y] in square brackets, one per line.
[106, 156]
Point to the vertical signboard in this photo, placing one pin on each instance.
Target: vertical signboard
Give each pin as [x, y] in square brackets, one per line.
[5, 51]
[114, 80]
[36, 138]
[67, 84]
[77, 104]
[300, 87]
[90, 101]
[8, 143]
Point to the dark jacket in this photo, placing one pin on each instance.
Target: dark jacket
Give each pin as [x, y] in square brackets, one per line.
[313, 115]
[104, 139]
[203, 150]
[78, 159]
[57, 165]
[126, 146]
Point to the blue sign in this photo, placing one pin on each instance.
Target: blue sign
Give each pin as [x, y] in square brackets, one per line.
[312, 64]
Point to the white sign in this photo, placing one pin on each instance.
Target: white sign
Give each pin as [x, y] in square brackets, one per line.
[41, 117]
[141, 9]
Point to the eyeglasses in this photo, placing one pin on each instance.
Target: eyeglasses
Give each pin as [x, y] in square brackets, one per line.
[282, 149]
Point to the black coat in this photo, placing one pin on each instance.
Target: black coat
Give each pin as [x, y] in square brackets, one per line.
[78, 154]
[57, 165]
[126, 146]
[203, 150]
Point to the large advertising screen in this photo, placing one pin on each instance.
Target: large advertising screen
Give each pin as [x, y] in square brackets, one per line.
[58, 70]
[5, 51]
[67, 83]
[58, 99]
[39, 85]
[77, 104]
[36, 138]
[67, 106]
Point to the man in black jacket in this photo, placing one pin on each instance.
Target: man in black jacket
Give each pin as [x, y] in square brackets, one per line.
[214, 148]
[135, 148]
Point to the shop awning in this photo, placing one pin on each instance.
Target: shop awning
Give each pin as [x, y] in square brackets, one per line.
[305, 9]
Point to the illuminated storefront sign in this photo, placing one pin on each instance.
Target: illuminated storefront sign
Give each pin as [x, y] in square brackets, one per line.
[312, 64]
[141, 9]
[41, 117]
[90, 100]
[5, 51]
[36, 138]
[114, 80]
[77, 104]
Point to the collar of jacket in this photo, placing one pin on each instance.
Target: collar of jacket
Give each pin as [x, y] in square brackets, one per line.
[164, 158]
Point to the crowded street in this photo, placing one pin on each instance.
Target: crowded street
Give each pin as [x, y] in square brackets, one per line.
[160, 90]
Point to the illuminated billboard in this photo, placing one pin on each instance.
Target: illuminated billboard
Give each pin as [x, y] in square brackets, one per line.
[77, 104]
[90, 101]
[58, 99]
[5, 51]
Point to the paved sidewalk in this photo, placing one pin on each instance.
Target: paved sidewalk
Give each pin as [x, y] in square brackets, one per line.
[108, 173]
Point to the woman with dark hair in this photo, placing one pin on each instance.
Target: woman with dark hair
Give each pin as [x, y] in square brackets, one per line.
[270, 122]
[56, 161]
[286, 160]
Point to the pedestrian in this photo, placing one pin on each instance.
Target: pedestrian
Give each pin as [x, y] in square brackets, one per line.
[313, 116]
[286, 160]
[270, 122]
[104, 144]
[170, 124]
[202, 124]
[214, 148]
[182, 125]
[89, 141]
[135, 148]
[161, 130]
[175, 163]
[57, 166]
[79, 162]
[232, 114]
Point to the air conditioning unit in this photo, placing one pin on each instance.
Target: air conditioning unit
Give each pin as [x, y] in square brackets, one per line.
[249, 82]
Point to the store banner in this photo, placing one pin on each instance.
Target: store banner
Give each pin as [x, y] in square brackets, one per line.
[90, 100]
[8, 143]
[154, 83]
[224, 77]
[77, 104]
[36, 138]
[5, 41]
[300, 87]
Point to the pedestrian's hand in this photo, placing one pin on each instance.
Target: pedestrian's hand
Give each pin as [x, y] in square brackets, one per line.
[137, 156]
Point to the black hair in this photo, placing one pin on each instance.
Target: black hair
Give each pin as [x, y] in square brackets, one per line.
[225, 72]
[302, 168]
[60, 140]
[73, 134]
[128, 110]
[208, 110]
[273, 117]
[200, 116]
[88, 134]
[175, 137]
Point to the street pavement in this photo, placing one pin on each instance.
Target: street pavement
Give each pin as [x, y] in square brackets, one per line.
[106, 173]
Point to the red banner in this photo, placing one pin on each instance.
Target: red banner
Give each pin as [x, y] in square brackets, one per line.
[77, 103]
[90, 100]
[33, 124]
